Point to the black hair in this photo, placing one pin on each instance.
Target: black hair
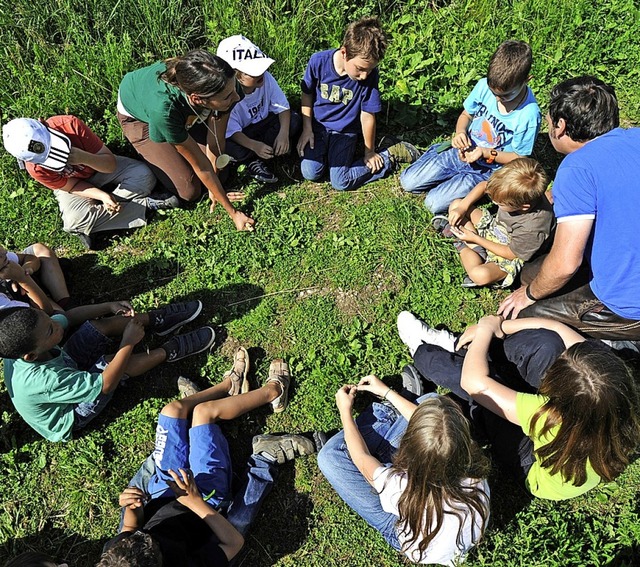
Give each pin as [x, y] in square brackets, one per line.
[137, 550]
[17, 337]
[31, 559]
[588, 106]
[198, 72]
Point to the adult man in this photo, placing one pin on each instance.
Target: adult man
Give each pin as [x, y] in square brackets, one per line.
[596, 200]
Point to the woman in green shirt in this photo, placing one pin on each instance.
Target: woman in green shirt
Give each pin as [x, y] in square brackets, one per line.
[175, 113]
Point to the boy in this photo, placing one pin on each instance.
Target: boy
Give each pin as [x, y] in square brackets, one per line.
[95, 189]
[57, 391]
[261, 124]
[498, 124]
[187, 514]
[493, 248]
[340, 97]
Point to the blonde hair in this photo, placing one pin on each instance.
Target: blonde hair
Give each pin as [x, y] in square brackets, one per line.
[437, 455]
[520, 182]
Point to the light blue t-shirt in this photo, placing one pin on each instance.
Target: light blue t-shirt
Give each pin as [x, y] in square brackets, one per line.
[601, 181]
[515, 131]
[45, 393]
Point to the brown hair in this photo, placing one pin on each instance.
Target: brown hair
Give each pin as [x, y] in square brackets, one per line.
[198, 72]
[365, 38]
[520, 182]
[437, 455]
[510, 65]
[594, 401]
[137, 550]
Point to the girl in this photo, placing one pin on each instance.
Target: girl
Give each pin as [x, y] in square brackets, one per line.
[175, 113]
[580, 427]
[430, 500]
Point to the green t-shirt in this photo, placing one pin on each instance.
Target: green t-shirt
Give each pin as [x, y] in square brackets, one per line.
[45, 393]
[540, 481]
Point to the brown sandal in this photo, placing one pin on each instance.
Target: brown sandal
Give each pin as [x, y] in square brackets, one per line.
[279, 372]
[238, 373]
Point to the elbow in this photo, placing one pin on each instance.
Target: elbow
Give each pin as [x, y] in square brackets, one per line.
[110, 164]
[235, 547]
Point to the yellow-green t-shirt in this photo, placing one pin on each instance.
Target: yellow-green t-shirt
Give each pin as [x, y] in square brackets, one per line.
[540, 481]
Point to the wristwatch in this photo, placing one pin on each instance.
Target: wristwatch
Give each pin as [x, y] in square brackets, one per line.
[492, 157]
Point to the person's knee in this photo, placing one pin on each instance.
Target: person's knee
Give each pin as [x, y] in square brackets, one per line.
[339, 179]
[42, 251]
[146, 180]
[435, 204]
[177, 409]
[480, 275]
[208, 412]
[311, 170]
[190, 191]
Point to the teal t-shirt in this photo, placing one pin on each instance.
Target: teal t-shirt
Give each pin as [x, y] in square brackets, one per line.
[45, 393]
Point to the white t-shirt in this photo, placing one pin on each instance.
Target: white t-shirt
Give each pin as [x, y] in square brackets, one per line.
[443, 548]
[256, 106]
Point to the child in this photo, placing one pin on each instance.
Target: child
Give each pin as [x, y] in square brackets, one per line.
[430, 497]
[35, 259]
[57, 391]
[96, 190]
[189, 515]
[499, 123]
[493, 248]
[339, 99]
[261, 124]
[34, 559]
[569, 421]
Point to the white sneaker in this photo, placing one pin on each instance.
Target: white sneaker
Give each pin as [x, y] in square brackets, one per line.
[413, 332]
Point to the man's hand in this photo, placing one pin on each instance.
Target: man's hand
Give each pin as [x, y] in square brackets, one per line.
[373, 161]
[514, 303]
[110, 204]
[133, 332]
[305, 138]
[281, 143]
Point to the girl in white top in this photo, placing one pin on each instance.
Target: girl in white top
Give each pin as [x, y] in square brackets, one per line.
[431, 499]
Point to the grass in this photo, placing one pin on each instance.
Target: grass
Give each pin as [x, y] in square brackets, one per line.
[320, 281]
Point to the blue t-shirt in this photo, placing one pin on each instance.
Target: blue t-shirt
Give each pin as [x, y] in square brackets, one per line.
[338, 101]
[515, 131]
[601, 181]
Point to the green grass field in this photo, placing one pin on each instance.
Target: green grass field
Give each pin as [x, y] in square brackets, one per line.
[320, 281]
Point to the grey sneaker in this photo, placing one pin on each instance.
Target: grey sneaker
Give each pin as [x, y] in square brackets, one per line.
[283, 448]
[404, 152]
[279, 372]
[413, 332]
[181, 346]
[162, 201]
[468, 282]
[411, 380]
[173, 316]
[186, 387]
[260, 172]
[88, 241]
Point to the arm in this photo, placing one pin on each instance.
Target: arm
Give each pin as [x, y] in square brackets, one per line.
[132, 500]
[561, 264]
[472, 237]
[358, 451]
[113, 372]
[79, 315]
[378, 388]
[261, 149]
[307, 124]
[281, 143]
[184, 486]
[461, 209]
[372, 160]
[103, 161]
[16, 273]
[475, 379]
[567, 334]
[204, 169]
[30, 263]
[476, 153]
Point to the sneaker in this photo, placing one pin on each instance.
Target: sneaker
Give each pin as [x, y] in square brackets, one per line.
[283, 448]
[414, 333]
[173, 316]
[260, 172]
[186, 387]
[238, 373]
[411, 380]
[162, 201]
[279, 372]
[181, 346]
[404, 152]
[468, 282]
[88, 241]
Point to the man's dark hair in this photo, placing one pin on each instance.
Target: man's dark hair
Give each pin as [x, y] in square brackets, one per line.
[137, 550]
[588, 105]
[17, 337]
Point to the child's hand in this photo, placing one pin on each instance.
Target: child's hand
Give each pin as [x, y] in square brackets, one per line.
[345, 397]
[13, 272]
[132, 497]
[373, 385]
[467, 337]
[123, 308]
[242, 221]
[373, 161]
[184, 487]
[281, 143]
[493, 323]
[262, 150]
[465, 234]
[470, 156]
[134, 331]
[461, 141]
[110, 204]
[305, 138]
[457, 214]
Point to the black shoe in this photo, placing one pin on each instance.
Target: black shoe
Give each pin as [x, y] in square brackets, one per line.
[283, 448]
[411, 380]
[259, 171]
[181, 346]
[164, 321]
[162, 201]
[87, 240]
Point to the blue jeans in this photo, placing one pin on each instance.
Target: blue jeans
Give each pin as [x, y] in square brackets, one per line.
[444, 175]
[382, 429]
[336, 151]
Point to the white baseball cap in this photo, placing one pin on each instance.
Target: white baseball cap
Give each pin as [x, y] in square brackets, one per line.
[30, 140]
[244, 55]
